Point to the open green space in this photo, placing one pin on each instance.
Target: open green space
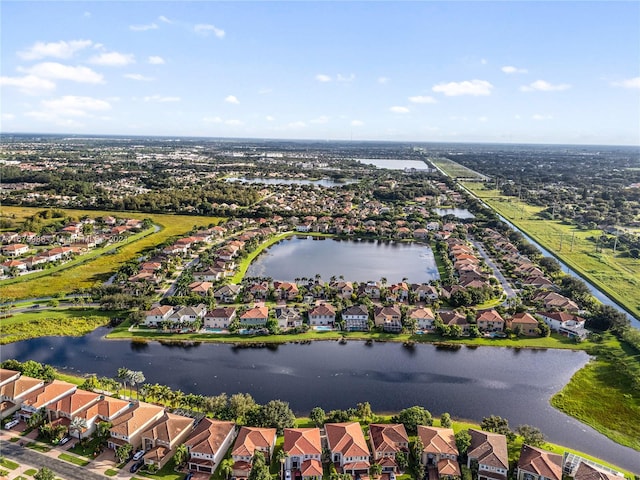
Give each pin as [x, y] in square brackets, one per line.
[111, 472]
[165, 473]
[31, 472]
[81, 462]
[6, 463]
[71, 321]
[454, 169]
[99, 269]
[616, 275]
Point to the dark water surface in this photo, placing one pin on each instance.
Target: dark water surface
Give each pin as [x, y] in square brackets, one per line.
[468, 383]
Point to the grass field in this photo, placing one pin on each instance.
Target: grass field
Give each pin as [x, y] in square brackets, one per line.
[101, 268]
[617, 276]
[71, 322]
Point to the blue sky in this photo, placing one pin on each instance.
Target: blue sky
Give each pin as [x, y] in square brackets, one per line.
[516, 72]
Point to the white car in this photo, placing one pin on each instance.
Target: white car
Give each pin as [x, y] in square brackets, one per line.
[138, 455]
[287, 475]
[64, 440]
[11, 424]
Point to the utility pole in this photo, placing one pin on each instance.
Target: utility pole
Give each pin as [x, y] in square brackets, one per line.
[561, 238]
[573, 237]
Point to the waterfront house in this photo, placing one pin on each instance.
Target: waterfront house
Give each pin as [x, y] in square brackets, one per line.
[490, 321]
[455, 318]
[208, 444]
[250, 440]
[106, 409]
[288, 317]
[129, 426]
[440, 450]
[565, 323]
[188, 315]
[386, 441]
[42, 397]
[63, 411]
[490, 451]
[303, 450]
[13, 390]
[425, 292]
[424, 318]
[157, 315]
[285, 290]
[348, 448]
[162, 438]
[356, 318]
[537, 464]
[255, 316]
[525, 323]
[322, 314]
[220, 317]
[389, 318]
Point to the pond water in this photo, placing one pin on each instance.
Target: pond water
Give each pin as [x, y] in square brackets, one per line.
[325, 182]
[394, 164]
[468, 383]
[461, 213]
[298, 257]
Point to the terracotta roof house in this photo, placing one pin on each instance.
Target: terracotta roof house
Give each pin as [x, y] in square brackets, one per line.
[526, 322]
[14, 250]
[161, 439]
[424, 317]
[248, 441]
[208, 444]
[348, 447]
[590, 472]
[389, 318]
[200, 288]
[455, 318]
[490, 451]
[323, 314]
[7, 376]
[45, 395]
[129, 426]
[219, 317]
[552, 300]
[425, 292]
[537, 464]
[440, 450]
[285, 290]
[304, 452]
[71, 406]
[157, 315]
[387, 440]
[255, 316]
[356, 318]
[490, 321]
[12, 392]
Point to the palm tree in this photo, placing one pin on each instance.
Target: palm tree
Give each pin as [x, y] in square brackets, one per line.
[282, 457]
[182, 454]
[226, 467]
[123, 374]
[78, 424]
[136, 378]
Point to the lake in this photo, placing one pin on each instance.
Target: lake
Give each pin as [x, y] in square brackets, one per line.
[298, 257]
[461, 213]
[325, 182]
[394, 164]
[468, 383]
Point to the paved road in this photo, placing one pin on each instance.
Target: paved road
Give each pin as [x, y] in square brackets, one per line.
[62, 469]
[496, 271]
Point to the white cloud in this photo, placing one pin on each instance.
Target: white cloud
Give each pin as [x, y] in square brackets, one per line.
[73, 106]
[346, 78]
[232, 99]
[164, 19]
[212, 119]
[113, 59]
[483, 61]
[357, 123]
[628, 83]
[206, 29]
[467, 87]
[397, 109]
[296, 125]
[544, 86]
[321, 119]
[29, 84]
[270, 118]
[234, 123]
[60, 49]
[508, 69]
[383, 80]
[161, 99]
[422, 99]
[539, 117]
[138, 77]
[323, 78]
[59, 71]
[155, 60]
[143, 28]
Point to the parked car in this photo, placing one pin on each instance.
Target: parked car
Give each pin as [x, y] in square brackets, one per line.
[287, 475]
[11, 424]
[134, 468]
[64, 440]
[138, 455]
[189, 475]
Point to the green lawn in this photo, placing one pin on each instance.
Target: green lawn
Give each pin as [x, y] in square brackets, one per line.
[6, 463]
[616, 275]
[31, 472]
[165, 473]
[71, 321]
[111, 472]
[81, 462]
[100, 269]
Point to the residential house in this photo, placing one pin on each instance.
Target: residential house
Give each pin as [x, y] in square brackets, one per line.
[525, 323]
[18, 265]
[537, 464]
[201, 288]
[208, 444]
[129, 426]
[258, 290]
[288, 317]
[399, 292]
[12, 391]
[303, 450]
[162, 438]
[211, 274]
[227, 293]
[106, 409]
[455, 318]
[386, 441]
[250, 440]
[356, 318]
[348, 448]
[389, 318]
[220, 317]
[440, 450]
[490, 451]
[14, 250]
[555, 301]
[42, 397]
[285, 290]
[157, 315]
[71, 406]
[370, 289]
[425, 292]
[424, 317]
[188, 315]
[344, 289]
[255, 316]
[587, 471]
[565, 323]
[490, 321]
[322, 314]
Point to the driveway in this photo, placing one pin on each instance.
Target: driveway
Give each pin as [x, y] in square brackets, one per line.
[508, 289]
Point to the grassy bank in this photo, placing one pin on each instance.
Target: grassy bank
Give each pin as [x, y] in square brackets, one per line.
[243, 265]
[99, 269]
[64, 322]
[617, 276]
[603, 398]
